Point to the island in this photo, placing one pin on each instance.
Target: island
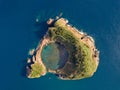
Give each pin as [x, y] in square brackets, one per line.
[77, 53]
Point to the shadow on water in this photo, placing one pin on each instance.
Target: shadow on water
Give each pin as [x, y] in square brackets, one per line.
[63, 55]
[55, 56]
[25, 64]
[42, 28]
[23, 72]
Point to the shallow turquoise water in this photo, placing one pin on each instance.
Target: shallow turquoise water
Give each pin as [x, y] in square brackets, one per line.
[99, 18]
[50, 56]
[54, 56]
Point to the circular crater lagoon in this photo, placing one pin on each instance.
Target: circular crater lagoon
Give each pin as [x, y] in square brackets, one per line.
[54, 56]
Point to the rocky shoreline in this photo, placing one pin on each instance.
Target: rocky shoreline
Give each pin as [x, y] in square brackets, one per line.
[83, 37]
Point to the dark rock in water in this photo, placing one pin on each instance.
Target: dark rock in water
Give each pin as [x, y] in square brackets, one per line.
[64, 51]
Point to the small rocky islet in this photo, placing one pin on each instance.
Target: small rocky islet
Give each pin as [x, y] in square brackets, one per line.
[81, 60]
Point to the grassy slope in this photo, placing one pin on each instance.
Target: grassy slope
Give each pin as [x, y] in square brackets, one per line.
[36, 70]
[81, 64]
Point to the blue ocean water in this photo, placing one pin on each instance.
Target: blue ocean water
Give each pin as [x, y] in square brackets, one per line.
[99, 18]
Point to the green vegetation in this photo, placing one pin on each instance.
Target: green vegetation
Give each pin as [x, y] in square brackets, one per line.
[80, 64]
[36, 70]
